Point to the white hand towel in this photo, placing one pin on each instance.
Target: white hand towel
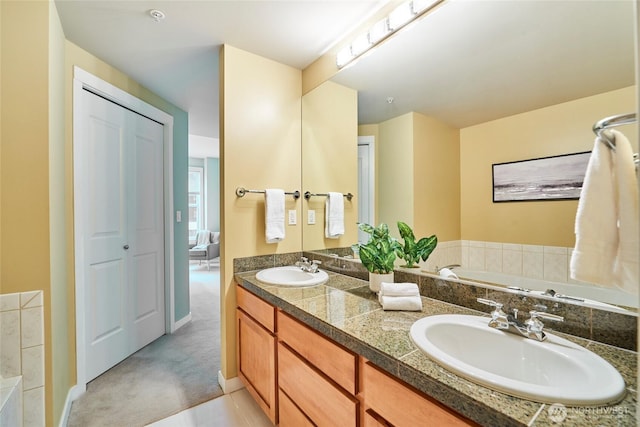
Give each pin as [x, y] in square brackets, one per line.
[412, 303]
[627, 269]
[334, 216]
[596, 230]
[274, 215]
[399, 289]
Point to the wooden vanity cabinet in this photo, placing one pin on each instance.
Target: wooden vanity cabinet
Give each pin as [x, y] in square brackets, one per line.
[256, 350]
[301, 378]
[388, 401]
[316, 376]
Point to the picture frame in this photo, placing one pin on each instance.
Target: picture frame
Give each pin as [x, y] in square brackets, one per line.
[546, 178]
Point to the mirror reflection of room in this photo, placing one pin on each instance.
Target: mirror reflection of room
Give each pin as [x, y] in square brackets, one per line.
[440, 130]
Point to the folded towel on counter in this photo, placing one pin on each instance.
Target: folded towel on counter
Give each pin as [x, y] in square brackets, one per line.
[400, 296]
[274, 215]
[334, 216]
[412, 303]
[399, 289]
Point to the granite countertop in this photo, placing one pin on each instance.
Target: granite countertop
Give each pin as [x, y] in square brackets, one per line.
[345, 310]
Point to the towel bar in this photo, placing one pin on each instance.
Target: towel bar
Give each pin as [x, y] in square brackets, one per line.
[241, 191]
[308, 195]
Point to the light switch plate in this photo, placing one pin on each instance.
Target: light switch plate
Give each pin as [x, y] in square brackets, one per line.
[292, 217]
[178, 216]
[311, 216]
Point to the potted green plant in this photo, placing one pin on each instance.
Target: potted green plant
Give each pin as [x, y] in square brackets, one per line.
[412, 252]
[378, 254]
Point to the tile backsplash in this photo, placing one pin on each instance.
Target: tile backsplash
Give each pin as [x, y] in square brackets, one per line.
[549, 263]
[22, 349]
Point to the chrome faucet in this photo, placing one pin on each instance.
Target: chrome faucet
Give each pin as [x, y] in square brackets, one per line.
[531, 328]
[308, 266]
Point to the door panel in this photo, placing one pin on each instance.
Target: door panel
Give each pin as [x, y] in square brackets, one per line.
[123, 232]
[147, 231]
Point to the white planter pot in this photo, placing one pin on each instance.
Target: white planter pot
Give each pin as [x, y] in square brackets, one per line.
[375, 280]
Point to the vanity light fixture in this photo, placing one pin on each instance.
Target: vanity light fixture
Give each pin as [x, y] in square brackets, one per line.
[397, 19]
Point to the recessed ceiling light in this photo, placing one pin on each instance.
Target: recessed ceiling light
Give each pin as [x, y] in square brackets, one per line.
[157, 15]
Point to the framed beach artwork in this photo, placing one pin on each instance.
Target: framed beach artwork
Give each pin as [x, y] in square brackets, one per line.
[546, 178]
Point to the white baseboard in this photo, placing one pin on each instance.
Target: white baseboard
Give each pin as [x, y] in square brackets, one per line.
[229, 385]
[180, 323]
[74, 392]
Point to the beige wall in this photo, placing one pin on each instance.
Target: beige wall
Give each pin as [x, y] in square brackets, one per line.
[329, 156]
[25, 159]
[436, 179]
[395, 171]
[559, 129]
[260, 147]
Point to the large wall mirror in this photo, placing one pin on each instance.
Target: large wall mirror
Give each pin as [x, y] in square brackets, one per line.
[476, 83]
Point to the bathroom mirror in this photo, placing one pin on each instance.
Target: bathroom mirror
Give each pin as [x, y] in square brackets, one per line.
[471, 64]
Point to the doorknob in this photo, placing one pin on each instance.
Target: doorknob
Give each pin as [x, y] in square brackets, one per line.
[126, 247]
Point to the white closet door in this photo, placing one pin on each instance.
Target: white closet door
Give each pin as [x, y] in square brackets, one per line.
[365, 185]
[147, 231]
[123, 232]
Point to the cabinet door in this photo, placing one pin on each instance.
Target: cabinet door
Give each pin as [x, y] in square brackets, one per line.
[256, 363]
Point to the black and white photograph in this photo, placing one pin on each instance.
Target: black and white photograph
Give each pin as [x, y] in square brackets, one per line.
[547, 178]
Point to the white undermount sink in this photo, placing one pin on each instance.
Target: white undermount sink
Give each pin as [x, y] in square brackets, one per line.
[552, 371]
[291, 275]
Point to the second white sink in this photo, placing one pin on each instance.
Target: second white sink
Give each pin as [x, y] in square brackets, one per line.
[291, 275]
[553, 371]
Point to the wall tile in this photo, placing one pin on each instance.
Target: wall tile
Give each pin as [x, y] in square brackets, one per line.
[9, 302]
[10, 365]
[512, 261]
[33, 409]
[32, 327]
[33, 367]
[493, 257]
[555, 264]
[532, 263]
[476, 255]
[31, 299]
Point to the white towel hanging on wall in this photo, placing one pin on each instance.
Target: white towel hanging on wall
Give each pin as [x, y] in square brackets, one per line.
[334, 216]
[274, 215]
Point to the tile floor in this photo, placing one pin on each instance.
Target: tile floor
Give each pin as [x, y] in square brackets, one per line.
[237, 409]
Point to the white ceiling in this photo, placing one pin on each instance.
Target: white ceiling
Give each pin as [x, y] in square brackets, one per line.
[178, 57]
[468, 62]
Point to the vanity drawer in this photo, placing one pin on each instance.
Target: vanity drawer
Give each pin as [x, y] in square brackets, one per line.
[334, 361]
[289, 414]
[322, 402]
[257, 308]
[400, 405]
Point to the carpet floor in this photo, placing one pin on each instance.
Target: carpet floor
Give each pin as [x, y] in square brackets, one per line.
[171, 374]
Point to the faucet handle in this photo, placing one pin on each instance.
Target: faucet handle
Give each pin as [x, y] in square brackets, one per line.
[498, 306]
[535, 326]
[547, 316]
[498, 317]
